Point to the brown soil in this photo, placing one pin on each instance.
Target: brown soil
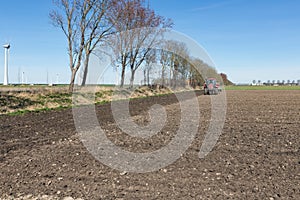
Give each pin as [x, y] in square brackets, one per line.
[256, 157]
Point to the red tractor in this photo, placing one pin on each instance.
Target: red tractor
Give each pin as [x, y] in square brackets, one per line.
[211, 87]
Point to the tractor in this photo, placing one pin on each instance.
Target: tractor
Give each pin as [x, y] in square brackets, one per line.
[211, 87]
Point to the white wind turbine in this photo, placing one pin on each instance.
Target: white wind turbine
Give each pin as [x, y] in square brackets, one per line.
[6, 49]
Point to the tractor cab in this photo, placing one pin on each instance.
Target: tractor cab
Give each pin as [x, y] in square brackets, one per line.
[211, 86]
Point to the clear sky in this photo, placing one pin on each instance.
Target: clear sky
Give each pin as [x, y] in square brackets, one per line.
[247, 39]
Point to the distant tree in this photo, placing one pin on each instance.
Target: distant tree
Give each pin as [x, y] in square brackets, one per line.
[278, 82]
[273, 82]
[269, 82]
[259, 82]
[254, 82]
[178, 64]
[150, 60]
[225, 79]
[197, 71]
[283, 82]
[288, 81]
[174, 56]
[298, 82]
[164, 61]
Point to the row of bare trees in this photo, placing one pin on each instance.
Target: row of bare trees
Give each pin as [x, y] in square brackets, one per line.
[88, 23]
[134, 33]
[177, 68]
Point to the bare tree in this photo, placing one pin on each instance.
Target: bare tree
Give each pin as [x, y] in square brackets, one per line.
[150, 60]
[196, 78]
[138, 30]
[175, 56]
[179, 63]
[164, 63]
[278, 82]
[84, 24]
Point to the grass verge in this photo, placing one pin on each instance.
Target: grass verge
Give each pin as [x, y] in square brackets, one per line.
[21, 102]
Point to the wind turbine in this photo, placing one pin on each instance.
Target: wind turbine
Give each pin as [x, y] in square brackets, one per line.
[5, 80]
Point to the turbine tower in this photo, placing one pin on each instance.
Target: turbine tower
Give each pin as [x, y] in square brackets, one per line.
[5, 80]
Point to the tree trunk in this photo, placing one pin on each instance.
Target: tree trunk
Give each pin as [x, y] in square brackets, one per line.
[145, 77]
[170, 77]
[85, 72]
[174, 84]
[122, 76]
[72, 82]
[163, 76]
[132, 78]
[148, 77]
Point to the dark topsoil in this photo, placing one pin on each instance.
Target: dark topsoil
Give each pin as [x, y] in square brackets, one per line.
[256, 157]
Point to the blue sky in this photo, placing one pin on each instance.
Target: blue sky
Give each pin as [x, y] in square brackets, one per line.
[257, 39]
